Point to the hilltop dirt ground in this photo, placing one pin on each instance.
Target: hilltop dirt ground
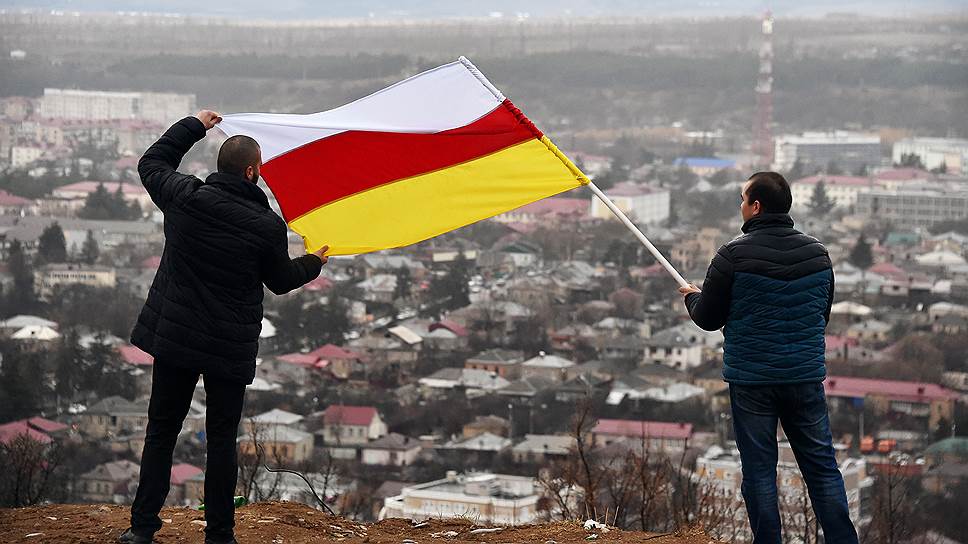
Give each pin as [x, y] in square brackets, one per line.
[286, 522]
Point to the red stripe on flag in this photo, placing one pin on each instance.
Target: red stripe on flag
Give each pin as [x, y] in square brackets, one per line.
[349, 162]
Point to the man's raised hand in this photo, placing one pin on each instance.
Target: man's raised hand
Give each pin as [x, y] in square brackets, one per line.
[321, 253]
[208, 118]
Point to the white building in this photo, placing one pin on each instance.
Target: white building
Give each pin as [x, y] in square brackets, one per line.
[482, 498]
[848, 150]
[22, 155]
[719, 474]
[643, 204]
[101, 105]
[952, 153]
[842, 190]
[917, 205]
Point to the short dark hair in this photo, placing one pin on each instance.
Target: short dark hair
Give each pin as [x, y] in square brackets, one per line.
[238, 153]
[772, 190]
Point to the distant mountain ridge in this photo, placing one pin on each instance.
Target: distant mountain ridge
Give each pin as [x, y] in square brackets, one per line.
[433, 9]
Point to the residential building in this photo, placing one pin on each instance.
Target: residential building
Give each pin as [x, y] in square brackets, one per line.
[551, 367]
[542, 448]
[77, 193]
[484, 498]
[51, 276]
[949, 154]
[842, 190]
[393, 449]
[720, 476]
[658, 436]
[113, 482]
[473, 382]
[674, 349]
[281, 443]
[548, 211]
[486, 424]
[181, 473]
[503, 362]
[351, 425]
[113, 416]
[917, 205]
[817, 150]
[643, 204]
[101, 105]
[926, 403]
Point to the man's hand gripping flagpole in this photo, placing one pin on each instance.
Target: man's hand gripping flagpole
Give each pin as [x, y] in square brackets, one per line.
[638, 234]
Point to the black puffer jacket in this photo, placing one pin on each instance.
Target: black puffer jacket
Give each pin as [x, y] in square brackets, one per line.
[770, 290]
[222, 243]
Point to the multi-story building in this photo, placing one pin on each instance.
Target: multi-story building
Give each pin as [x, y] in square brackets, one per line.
[926, 403]
[99, 105]
[842, 190]
[22, 155]
[505, 363]
[347, 428]
[480, 497]
[720, 476]
[950, 154]
[643, 204]
[850, 151]
[657, 436]
[49, 277]
[113, 482]
[917, 205]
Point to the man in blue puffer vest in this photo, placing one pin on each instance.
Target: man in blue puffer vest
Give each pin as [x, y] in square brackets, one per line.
[770, 290]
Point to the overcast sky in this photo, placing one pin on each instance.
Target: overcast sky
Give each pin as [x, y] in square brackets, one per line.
[325, 9]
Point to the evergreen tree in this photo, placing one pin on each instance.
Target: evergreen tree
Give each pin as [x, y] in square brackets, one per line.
[796, 171]
[21, 298]
[90, 251]
[861, 255]
[911, 160]
[820, 202]
[52, 246]
[834, 169]
[452, 288]
[68, 369]
[404, 281]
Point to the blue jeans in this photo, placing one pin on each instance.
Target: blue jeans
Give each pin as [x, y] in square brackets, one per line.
[802, 410]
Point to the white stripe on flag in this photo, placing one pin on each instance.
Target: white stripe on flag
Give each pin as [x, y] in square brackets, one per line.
[444, 98]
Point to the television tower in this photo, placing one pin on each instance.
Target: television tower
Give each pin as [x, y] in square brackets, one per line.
[763, 124]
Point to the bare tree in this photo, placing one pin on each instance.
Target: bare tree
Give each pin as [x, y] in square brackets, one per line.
[893, 512]
[29, 470]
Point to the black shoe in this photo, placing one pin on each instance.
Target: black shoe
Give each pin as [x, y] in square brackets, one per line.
[130, 537]
[214, 541]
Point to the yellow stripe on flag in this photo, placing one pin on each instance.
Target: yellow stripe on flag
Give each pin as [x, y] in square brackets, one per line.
[410, 210]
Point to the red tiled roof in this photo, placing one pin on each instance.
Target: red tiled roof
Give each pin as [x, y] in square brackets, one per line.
[890, 270]
[650, 429]
[182, 472]
[10, 431]
[903, 174]
[319, 284]
[46, 425]
[843, 386]
[449, 325]
[349, 415]
[837, 342]
[834, 180]
[134, 356]
[7, 199]
[556, 206]
[302, 359]
[332, 351]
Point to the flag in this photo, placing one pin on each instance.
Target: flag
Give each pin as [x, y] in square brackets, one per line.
[422, 157]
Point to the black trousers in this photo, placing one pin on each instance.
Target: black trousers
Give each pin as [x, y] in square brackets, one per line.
[171, 396]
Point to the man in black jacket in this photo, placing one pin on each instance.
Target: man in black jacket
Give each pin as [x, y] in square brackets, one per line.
[770, 290]
[203, 313]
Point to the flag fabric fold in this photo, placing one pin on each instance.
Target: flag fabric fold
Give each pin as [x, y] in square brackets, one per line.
[427, 155]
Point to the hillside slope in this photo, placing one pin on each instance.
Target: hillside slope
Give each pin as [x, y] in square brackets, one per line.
[287, 522]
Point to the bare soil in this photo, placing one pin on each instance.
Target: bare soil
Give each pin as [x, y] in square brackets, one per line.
[288, 522]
